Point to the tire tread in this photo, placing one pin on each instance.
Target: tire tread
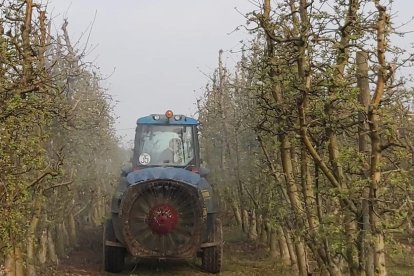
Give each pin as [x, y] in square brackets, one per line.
[114, 257]
[211, 260]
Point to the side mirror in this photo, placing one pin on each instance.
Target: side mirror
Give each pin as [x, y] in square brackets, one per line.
[204, 172]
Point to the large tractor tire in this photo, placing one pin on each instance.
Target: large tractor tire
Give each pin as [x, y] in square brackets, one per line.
[114, 256]
[212, 256]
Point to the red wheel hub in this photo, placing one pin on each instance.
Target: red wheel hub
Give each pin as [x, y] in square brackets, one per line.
[162, 219]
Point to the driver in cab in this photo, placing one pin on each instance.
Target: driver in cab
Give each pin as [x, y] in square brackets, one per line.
[172, 154]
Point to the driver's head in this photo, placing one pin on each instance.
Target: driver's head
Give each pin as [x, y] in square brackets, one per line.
[175, 143]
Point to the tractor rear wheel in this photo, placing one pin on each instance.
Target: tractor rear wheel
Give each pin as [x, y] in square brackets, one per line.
[114, 257]
[212, 256]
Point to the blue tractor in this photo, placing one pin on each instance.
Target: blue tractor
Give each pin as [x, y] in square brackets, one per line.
[163, 207]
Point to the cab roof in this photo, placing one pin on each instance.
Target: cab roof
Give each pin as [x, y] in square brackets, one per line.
[161, 119]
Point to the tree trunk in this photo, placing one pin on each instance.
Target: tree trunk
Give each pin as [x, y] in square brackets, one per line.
[259, 225]
[291, 249]
[292, 191]
[273, 243]
[301, 257]
[374, 219]
[245, 220]
[252, 226]
[268, 229]
[51, 245]
[283, 247]
[287, 161]
[72, 230]
[379, 250]
[365, 254]
[14, 263]
[236, 212]
[31, 244]
[263, 233]
[65, 236]
[351, 236]
[376, 151]
[42, 253]
[96, 220]
[60, 240]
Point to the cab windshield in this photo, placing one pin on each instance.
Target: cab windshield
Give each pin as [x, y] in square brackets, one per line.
[164, 145]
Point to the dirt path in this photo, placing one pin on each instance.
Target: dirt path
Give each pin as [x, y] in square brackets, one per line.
[86, 259]
[240, 258]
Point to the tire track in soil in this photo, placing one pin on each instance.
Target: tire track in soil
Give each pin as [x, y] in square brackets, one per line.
[87, 259]
[241, 257]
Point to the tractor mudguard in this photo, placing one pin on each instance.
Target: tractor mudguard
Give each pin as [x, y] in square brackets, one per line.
[170, 173]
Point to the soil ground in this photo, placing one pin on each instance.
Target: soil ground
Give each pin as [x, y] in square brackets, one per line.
[241, 257]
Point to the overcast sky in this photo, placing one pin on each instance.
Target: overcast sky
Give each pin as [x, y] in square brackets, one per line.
[156, 52]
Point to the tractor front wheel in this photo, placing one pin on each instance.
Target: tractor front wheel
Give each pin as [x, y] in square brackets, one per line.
[114, 256]
[212, 256]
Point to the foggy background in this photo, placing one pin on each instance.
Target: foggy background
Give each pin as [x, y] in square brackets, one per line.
[155, 55]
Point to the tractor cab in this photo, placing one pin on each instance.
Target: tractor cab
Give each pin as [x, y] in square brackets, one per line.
[166, 140]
